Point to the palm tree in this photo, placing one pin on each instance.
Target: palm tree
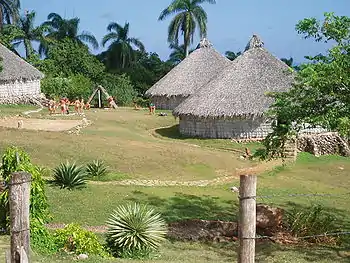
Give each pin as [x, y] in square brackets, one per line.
[232, 55]
[60, 28]
[9, 11]
[289, 61]
[189, 15]
[25, 32]
[122, 46]
[178, 53]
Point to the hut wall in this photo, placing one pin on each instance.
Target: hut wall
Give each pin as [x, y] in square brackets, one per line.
[224, 128]
[167, 103]
[19, 92]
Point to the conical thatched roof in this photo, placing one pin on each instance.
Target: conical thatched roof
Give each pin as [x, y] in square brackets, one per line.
[240, 90]
[15, 68]
[192, 73]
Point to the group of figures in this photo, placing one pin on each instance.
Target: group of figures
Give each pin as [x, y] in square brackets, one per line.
[64, 104]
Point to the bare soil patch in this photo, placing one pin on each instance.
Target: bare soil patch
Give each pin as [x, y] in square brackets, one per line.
[40, 124]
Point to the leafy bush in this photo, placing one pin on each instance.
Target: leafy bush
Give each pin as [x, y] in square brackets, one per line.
[135, 231]
[142, 102]
[311, 221]
[73, 238]
[42, 240]
[69, 176]
[15, 160]
[96, 168]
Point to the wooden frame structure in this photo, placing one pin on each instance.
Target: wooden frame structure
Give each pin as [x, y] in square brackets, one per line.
[99, 90]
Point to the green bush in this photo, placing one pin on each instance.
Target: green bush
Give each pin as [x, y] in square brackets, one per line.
[142, 102]
[42, 240]
[69, 176]
[135, 231]
[310, 221]
[73, 238]
[96, 168]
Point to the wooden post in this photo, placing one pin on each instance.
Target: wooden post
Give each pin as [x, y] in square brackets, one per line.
[99, 98]
[247, 218]
[19, 195]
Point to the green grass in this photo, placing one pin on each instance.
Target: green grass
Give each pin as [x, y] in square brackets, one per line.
[11, 110]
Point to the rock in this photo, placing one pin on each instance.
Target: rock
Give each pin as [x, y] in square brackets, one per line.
[82, 257]
[268, 220]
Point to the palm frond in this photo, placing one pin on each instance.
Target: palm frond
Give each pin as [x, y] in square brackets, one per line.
[88, 38]
[137, 43]
[109, 37]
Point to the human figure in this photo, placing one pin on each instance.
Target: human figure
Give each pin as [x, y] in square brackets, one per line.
[87, 106]
[82, 105]
[63, 106]
[152, 108]
[77, 106]
[52, 106]
[67, 104]
[110, 102]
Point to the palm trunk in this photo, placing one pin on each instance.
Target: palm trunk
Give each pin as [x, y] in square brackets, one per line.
[186, 41]
[28, 47]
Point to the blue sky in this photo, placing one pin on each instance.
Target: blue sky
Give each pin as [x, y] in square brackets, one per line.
[230, 22]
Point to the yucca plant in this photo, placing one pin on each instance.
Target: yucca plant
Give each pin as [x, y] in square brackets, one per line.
[69, 175]
[96, 168]
[135, 230]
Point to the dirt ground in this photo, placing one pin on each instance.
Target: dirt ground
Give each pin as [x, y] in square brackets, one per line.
[40, 124]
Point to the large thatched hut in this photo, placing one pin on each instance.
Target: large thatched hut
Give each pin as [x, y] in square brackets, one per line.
[233, 104]
[19, 81]
[187, 77]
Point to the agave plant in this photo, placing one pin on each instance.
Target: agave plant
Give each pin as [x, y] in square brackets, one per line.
[134, 229]
[69, 175]
[96, 168]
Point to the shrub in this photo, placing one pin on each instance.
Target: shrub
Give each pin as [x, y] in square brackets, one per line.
[73, 238]
[311, 221]
[96, 168]
[135, 231]
[69, 176]
[42, 240]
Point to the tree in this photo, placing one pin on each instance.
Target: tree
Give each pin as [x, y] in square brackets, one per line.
[232, 55]
[320, 96]
[25, 33]
[289, 62]
[189, 15]
[9, 11]
[178, 54]
[59, 28]
[120, 52]
[67, 58]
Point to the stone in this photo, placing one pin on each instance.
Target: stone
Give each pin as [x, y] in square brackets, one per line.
[268, 219]
[82, 257]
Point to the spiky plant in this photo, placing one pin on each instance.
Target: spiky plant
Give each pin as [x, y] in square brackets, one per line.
[135, 230]
[96, 168]
[69, 175]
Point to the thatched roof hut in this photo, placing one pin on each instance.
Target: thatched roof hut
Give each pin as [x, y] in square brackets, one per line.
[233, 104]
[19, 81]
[187, 77]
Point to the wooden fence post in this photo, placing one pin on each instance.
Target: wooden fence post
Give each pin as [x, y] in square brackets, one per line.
[247, 218]
[19, 195]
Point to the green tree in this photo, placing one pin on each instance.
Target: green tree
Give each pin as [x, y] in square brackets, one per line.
[67, 58]
[9, 11]
[120, 53]
[59, 29]
[232, 55]
[178, 53]
[189, 14]
[320, 96]
[25, 33]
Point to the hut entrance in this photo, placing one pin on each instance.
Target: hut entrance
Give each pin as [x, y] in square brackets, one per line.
[99, 91]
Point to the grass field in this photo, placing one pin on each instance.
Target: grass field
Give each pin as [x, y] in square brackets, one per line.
[136, 145]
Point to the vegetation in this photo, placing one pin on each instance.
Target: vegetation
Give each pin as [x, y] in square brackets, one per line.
[69, 175]
[97, 169]
[135, 230]
[9, 11]
[189, 15]
[232, 55]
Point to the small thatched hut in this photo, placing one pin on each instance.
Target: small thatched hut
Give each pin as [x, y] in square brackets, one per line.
[233, 104]
[19, 81]
[187, 77]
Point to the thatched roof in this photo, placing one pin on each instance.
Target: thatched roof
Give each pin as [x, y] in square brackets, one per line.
[192, 73]
[15, 68]
[240, 90]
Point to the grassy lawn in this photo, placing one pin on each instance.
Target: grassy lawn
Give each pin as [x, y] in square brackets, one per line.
[11, 110]
[136, 145]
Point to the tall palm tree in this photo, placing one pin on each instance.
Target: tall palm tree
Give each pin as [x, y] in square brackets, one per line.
[189, 15]
[178, 53]
[9, 11]
[25, 32]
[122, 45]
[60, 28]
[232, 55]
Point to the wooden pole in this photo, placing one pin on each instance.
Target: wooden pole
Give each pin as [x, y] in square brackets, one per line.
[99, 98]
[247, 218]
[19, 195]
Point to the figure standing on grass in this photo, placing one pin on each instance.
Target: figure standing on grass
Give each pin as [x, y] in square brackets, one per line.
[152, 108]
[77, 106]
[110, 102]
[52, 106]
[82, 105]
[63, 106]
